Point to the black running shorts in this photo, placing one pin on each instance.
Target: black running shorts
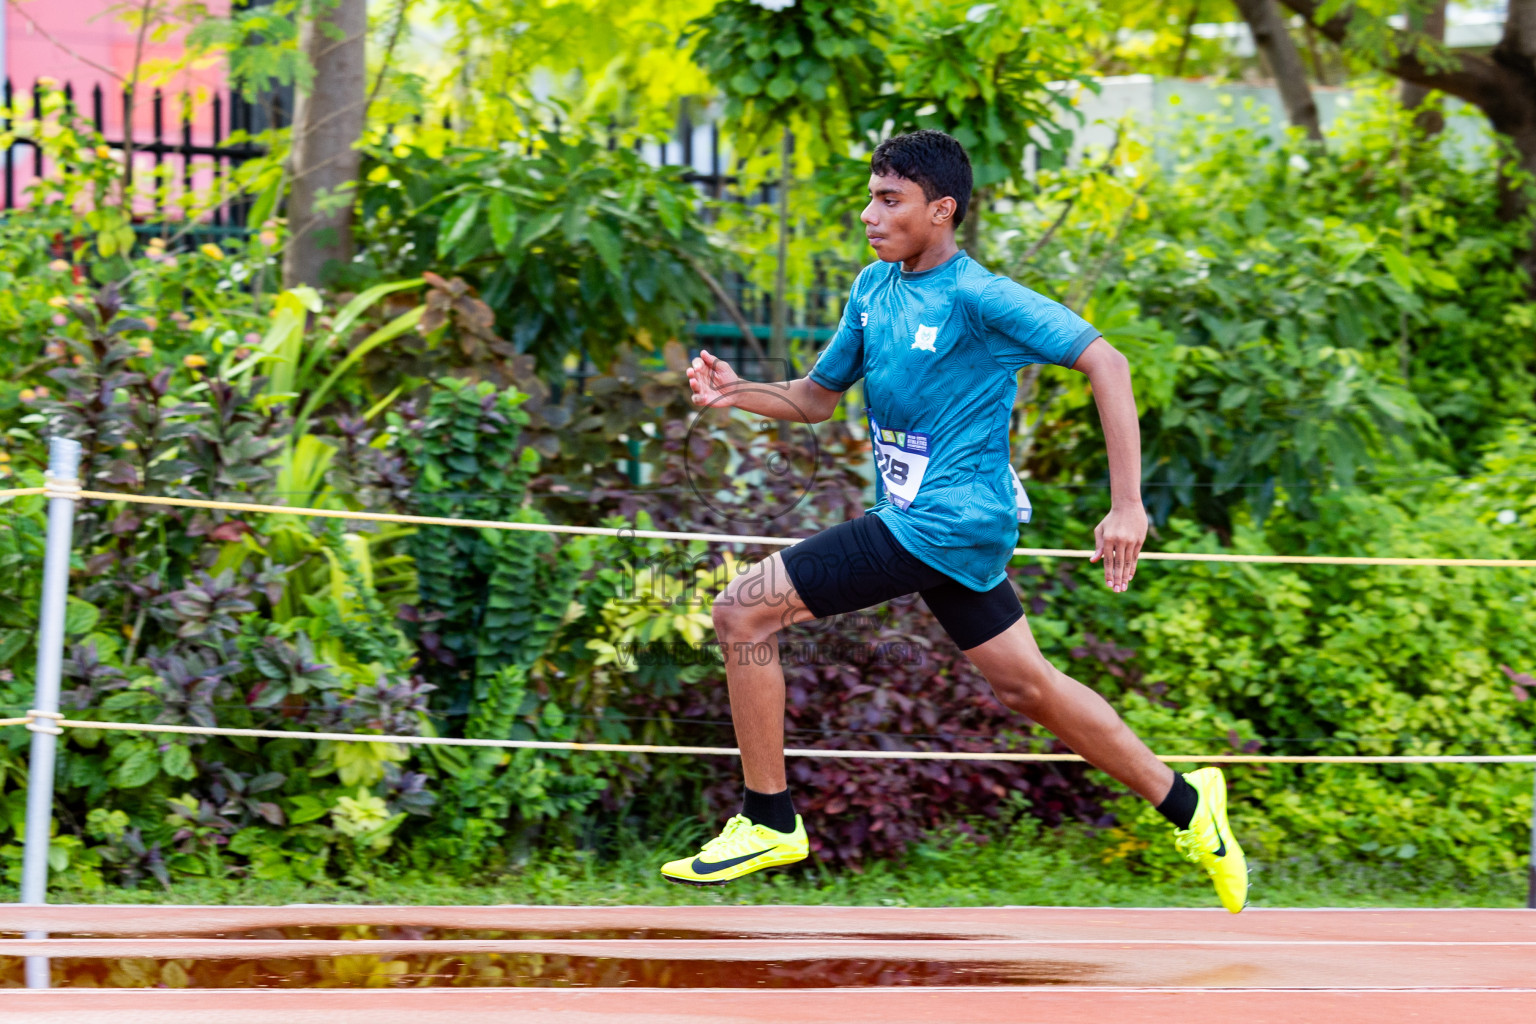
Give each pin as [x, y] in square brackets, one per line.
[861, 563]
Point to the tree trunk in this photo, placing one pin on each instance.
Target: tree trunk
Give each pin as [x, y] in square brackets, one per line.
[1277, 46]
[971, 229]
[327, 124]
[1513, 111]
[1431, 23]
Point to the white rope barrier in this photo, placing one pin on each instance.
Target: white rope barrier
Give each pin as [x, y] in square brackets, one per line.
[58, 723]
[54, 723]
[49, 722]
[71, 489]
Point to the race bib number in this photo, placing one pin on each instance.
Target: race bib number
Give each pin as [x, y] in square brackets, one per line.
[1022, 508]
[902, 458]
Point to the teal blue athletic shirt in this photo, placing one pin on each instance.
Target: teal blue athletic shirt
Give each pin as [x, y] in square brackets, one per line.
[939, 352]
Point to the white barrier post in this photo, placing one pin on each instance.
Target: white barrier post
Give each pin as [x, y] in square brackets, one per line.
[63, 468]
[1530, 867]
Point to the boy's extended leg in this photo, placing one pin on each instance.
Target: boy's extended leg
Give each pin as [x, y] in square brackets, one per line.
[1196, 803]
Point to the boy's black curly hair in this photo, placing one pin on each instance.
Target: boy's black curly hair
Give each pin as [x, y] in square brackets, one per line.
[933, 160]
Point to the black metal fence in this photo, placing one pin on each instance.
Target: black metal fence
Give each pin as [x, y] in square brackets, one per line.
[227, 116]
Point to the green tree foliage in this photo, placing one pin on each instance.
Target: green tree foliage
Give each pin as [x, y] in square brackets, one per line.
[805, 69]
[991, 74]
[996, 76]
[510, 67]
[576, 247]
[258, 43]
[1292, 324]
[1159, 39]
[1497, 82]
[810, 66]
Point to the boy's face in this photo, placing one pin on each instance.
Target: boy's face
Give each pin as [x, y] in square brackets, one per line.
[900, 222]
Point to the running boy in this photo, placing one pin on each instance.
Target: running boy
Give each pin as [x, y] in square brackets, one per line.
[938, 341]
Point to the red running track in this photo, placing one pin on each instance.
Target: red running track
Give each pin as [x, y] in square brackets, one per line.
[666, 965]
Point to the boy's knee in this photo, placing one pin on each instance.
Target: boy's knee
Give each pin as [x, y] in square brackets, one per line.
[1028, 688]
[736, 621]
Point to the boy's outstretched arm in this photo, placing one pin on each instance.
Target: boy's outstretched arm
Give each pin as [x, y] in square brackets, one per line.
[714, 383]
[1118, 539]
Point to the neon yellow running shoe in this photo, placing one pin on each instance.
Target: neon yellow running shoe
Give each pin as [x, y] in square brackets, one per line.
[740, 849]
[1210, 843]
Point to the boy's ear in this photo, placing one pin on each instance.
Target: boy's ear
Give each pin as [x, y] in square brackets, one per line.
[943, 210]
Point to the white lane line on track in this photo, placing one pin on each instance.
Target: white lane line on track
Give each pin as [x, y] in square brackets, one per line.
[733, 943]
[382, 994]
[686, 949]
[621, 909]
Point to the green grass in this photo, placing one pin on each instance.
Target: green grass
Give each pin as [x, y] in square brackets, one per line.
[1047, 868]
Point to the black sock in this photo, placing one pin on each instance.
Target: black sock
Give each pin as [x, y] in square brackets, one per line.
[1180, 803]
[775, 810]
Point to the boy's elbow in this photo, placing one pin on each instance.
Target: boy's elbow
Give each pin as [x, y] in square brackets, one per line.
[1101, 357]
[820, 402]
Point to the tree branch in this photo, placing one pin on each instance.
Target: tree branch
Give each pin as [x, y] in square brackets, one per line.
[1106, 166]
[1044, 240]
[1274, 41]
[1189, 34]
[60, 45]
[1472, 78]
[1430, 22]
[724, 298]
[389, 51]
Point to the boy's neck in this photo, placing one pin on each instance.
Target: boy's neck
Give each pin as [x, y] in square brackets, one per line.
[932, 256]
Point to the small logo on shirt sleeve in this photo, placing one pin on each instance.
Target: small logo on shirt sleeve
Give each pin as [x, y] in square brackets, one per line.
[863, 319]
[926, 336]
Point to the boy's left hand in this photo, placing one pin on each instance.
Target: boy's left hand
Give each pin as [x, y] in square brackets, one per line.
[1118, 540]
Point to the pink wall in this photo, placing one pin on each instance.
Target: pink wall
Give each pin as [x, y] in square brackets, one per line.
[89, 38]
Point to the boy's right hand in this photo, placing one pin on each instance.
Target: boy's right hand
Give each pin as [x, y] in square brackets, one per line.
[711, 379]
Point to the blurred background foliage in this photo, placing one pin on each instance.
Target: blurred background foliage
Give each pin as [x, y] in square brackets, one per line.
[1332, 355]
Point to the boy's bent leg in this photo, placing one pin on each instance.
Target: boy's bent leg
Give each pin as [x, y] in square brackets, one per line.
[854, 565]
[850, 566]
[748, 617]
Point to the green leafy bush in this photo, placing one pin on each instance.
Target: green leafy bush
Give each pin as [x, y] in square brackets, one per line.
[574, 246]
[1340, 660]
[1295, 319]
